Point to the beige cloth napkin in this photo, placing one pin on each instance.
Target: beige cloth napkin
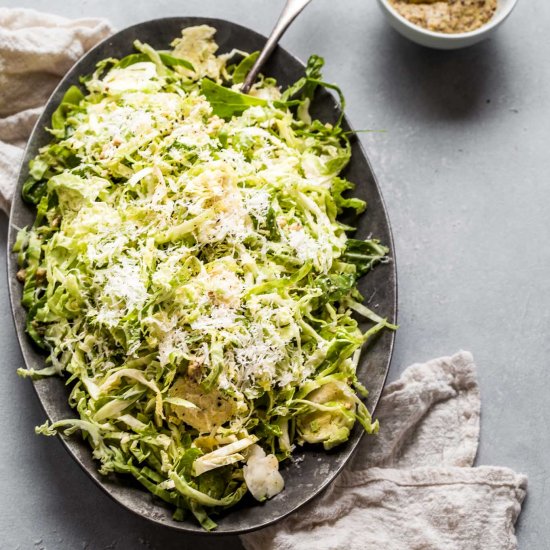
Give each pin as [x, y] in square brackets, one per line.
[413, 487]
[36, 50]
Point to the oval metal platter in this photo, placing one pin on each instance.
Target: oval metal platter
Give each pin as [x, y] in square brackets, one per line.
[313, 468]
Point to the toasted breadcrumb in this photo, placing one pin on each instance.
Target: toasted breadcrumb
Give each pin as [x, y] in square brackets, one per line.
[448, 16]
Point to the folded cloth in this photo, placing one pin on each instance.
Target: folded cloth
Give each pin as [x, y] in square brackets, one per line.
[412, 486]
[36, 50]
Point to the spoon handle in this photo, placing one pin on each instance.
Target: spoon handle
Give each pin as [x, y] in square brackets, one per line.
[290, 12]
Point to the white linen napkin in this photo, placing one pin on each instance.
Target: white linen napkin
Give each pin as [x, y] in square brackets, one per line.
[413, 487]
[36, 50]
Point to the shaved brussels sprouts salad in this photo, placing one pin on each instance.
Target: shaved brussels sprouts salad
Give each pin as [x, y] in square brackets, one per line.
[187, 274]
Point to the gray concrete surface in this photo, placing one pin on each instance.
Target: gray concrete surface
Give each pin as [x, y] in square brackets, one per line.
[463, 165]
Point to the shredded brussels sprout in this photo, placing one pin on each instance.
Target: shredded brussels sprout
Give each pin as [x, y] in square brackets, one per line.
[187, 273]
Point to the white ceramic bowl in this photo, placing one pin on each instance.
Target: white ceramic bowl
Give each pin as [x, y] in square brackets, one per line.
[444, 41]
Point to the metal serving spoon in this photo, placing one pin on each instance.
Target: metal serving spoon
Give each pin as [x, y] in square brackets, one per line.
[291, 10]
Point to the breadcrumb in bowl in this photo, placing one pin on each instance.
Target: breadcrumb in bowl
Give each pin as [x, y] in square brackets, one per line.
[449, 24]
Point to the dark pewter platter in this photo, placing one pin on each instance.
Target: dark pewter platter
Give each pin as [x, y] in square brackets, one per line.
[315, 468]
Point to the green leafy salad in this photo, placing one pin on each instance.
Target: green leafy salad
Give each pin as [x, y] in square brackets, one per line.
[187, 274]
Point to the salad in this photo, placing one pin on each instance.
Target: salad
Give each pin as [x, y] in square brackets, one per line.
[187, 273]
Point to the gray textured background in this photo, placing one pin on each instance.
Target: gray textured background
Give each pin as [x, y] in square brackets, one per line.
[463, 165]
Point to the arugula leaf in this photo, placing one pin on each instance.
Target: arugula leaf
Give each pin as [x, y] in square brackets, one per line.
[306, 85]
[243, 68]
[339, 185]
[335, 286]
[226, 102]
[72, 98]
[131, 60]
[364, 254]
[33, 191]
[313, 75]
[166, 58]
[171, 61]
